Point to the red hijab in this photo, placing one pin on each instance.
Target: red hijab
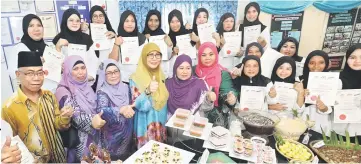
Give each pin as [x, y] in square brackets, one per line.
[211, 74]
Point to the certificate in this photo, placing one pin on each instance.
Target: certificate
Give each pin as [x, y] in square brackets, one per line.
[205, 32]
[100, 3]
[323, 84]
[348, 106]
[159, 40]
[16, 24]
[252, 98]
[233, 43]
[185, 46]
[5, 32]
[53, 62]
[26, 156]
[10, 6]
[268, 61]
[286, 94]
[130, 50]
[90, 62]
[299, 68]
[44, 5]
[251, 34]
[100, 40]
[49, 24]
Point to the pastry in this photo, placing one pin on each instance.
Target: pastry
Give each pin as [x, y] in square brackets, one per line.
[182, 113]
[179, 122]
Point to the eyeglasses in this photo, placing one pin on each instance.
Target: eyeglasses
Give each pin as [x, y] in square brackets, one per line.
[152, 56]
[98, 16]
[116, 72]
[32, 74]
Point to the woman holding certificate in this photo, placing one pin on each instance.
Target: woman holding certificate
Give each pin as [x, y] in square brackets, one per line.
[291, 94]
[289, 47]
[252, 29]
[220, 80]
[113, 98]
[351, 79]
[187, 91]
[153, 26]
[149, 96]
[131, 43]
[250, 75]
[72, 36]
[317, 61]
[75, 91]
[201, 17]
[32, 40]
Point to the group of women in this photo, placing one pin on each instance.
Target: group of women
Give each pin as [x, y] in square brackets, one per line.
[135, 101]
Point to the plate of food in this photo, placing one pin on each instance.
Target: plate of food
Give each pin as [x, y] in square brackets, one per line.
[293, 150]
[243, 149]
[158, 153]
[181, 119]
[258, 122]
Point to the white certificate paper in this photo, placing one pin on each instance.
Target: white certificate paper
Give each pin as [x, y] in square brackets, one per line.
[130, 50]
[16, 24]
[5, 32]
[323, 84]
[348, 106]
[49, 24]
[53, 62]
[299, 68]
[44, 5]
[205, 32]
[26, 156]
[252, 98]
[251, 34]
[159, 40]
[98, 31]
[285, 94]
[233, 43]
[185, 46]
[10, 6]
[268, 61]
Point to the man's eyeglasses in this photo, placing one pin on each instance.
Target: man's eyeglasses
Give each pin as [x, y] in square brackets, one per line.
[32, 74]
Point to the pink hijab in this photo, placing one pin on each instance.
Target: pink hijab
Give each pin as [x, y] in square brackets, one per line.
[211, 74]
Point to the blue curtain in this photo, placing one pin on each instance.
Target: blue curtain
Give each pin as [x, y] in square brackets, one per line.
[295, 6]
[336, 6]
[215, 8]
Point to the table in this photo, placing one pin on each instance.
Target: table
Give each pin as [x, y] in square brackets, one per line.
[196, 146]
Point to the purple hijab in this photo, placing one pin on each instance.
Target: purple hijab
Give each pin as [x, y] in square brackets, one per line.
[118, 94]
[184, 93]
[80, 90]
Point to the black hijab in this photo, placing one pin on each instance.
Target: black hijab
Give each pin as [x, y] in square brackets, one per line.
[75, 37]
[123, 33]
[258, 80]
[220, 29]
[279, 62]
[182, 30]
[36, 46]
[254, 44]
[351, 79]
[246, 23]
[159, 30]
[293, 40]
[306, 70]
[107, 22]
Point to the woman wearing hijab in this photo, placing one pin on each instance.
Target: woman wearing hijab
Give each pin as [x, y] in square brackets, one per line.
[113, 98]
[351, 79]
[149, 96]
[317, 61]
[71, 34]
[32, 40]
[226, 24]
[251, 75]
[153, 26]
[201, 17]
[254, 49]
[186, 91]
[75, 91]
[251, 18]
[176, 28]
[289, 47]
[285, 71]
[127, 28]
[220, 80]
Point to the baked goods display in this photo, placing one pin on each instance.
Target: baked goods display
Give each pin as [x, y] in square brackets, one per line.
[181, 117]
[242, 146]
[198, 126]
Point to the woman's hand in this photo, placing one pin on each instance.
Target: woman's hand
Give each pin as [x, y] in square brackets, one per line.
[97, 121]
[84, 26]
[168, 41]
[277, 107]
[61, 42]
[110, 35]
[272, 93]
